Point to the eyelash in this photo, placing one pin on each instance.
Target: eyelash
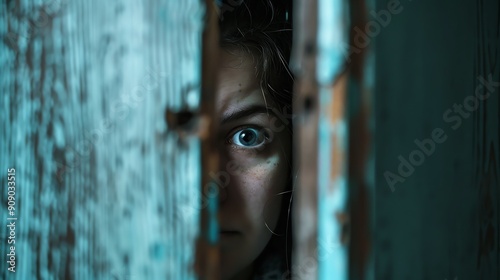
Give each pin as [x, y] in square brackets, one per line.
[259, 130]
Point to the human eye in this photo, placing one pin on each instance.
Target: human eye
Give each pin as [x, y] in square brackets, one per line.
[249, 137]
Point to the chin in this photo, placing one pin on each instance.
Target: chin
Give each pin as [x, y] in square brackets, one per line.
[238, 256]
[233, 261]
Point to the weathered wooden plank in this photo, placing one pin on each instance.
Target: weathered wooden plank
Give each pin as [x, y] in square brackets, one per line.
[439, 219]
[361, 147]
[321, 140]
[105, 188]
[333, 23]
[484, 107]
[305, 107]
[208, 254]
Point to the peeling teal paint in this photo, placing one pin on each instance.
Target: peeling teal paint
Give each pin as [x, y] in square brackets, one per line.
[100, 200]
[332, 40]
[333, 33]
[332, 258]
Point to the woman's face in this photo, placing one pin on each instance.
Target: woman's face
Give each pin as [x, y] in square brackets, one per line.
[254, 159]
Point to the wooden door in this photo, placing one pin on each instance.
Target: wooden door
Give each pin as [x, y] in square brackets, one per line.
[106, 143]
[105, 188]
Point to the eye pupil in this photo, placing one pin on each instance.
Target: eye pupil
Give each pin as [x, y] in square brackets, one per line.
[248, 137]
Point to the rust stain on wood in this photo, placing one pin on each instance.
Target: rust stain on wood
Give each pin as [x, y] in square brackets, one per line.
[306, 108]
[207, 260]
[359, 151]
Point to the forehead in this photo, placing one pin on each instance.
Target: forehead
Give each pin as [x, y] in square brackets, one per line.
[238, 84]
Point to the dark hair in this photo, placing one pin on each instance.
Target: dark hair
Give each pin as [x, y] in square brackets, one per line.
[263, 28]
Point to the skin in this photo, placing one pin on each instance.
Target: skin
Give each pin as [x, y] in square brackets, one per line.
[257, 169]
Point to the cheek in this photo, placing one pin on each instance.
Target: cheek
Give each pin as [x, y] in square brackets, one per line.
[259, 185]
[260, 175]
[262, 169]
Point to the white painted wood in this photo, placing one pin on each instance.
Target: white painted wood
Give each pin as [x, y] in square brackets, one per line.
[105, 190]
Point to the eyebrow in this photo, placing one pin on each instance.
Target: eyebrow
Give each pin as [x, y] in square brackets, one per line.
[245, 112]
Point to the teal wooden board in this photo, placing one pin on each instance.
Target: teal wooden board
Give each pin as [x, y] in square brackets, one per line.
[442, 221]
[105, 189]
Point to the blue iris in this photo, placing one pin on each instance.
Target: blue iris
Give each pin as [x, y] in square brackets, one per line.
[248, 137]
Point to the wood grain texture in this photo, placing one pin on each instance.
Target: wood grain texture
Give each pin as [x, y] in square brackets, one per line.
[486, 141]
[305, 108]
[105, 189]
[361, 187]
[361, 147]
[320, 140]
[333, 147]
[441, 220]
[208, 264]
